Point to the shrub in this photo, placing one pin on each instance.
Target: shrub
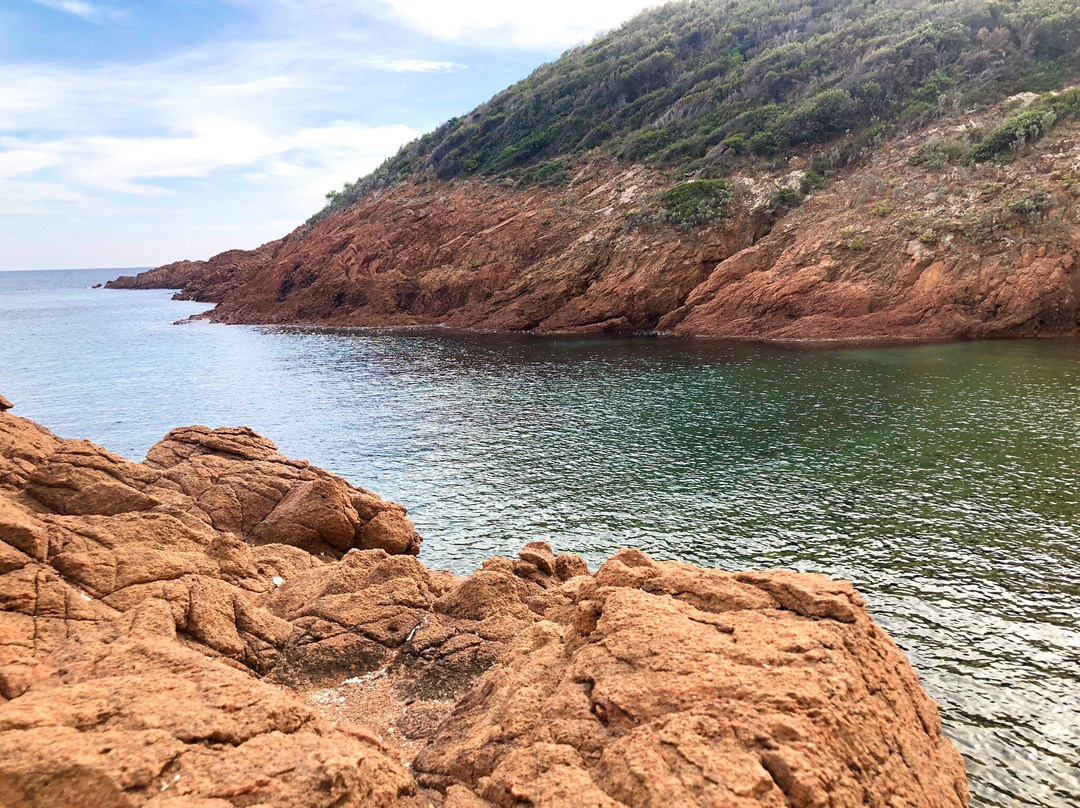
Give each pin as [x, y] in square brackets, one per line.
[932, 89]
[850, 240]
[824, 114]
[695, 202]
[1023, 127]
[911, 223]
[936, 153]
[737, 143]
[1032, 208]
[881, 209]
[767, 143]
[787, 198]
[555, 172]
[810, 181]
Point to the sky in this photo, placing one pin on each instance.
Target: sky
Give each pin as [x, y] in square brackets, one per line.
[135, 133]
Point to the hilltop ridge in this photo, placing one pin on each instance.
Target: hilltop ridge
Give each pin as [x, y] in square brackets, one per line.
[700, 87]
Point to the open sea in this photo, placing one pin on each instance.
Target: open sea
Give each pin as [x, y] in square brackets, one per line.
[943, 480]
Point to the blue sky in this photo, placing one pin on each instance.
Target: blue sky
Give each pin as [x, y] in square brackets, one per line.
[135, 133]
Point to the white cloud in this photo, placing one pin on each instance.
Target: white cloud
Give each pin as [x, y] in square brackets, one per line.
[378, 138]
[410, 65]
[323, 158]
[39, 197]
[552, 23]
[88, 11]
[311, 160]
[241, 139]
[488, 24]
[17, 161]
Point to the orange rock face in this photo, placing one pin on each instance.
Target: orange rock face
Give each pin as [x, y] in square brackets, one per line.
[165, 639]
[885, 251]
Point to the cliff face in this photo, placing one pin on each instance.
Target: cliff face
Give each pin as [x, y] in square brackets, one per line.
[886, 250]
[221, 626]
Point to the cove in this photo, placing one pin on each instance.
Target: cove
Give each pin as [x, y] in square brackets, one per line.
[944, 480]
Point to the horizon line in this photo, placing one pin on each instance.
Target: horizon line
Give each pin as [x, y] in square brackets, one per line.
[77, 269]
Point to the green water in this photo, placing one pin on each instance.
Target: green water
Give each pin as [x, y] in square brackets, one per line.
[943, 480]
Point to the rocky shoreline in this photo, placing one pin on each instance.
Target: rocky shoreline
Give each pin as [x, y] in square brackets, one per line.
[887, 251]
[222, 626]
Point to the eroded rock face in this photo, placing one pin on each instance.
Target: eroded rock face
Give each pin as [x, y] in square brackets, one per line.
[165, 639]
[123, 715]
[88, 535]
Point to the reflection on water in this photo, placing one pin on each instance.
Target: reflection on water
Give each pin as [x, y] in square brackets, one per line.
[944, 480]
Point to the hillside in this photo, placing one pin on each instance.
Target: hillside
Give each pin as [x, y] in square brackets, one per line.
[832, 170]
[695, 86]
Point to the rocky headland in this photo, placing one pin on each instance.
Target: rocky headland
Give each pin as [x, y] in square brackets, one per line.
[812, 171]
[887, 251]
[221, 626]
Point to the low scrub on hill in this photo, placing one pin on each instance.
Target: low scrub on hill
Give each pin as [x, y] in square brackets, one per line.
[694, 85]
[1029, 125]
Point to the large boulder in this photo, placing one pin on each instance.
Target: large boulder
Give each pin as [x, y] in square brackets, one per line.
[207, 525]
[351, 617]
[671, 685]
[231, 479]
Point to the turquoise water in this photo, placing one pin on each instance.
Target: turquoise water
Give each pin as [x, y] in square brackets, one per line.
[944, 480]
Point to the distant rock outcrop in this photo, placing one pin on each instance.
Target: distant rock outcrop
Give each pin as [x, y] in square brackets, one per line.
[222, 626]
[887, 250]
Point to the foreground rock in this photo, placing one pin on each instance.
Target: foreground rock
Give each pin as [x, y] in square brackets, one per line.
[165, 639]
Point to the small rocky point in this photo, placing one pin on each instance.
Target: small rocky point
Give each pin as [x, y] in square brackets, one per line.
[222, 626]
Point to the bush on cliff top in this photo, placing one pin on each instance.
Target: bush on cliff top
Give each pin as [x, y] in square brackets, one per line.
[696, 82]
[1028, 125]
[697, 202]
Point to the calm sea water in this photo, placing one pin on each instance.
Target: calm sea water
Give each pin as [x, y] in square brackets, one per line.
[944, 480]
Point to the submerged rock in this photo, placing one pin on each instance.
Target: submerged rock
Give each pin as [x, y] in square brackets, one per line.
[223, 626]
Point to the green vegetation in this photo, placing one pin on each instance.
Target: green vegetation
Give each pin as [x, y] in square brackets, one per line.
[707, 84]
[1029, 125]
[850, 240]
[786, 199]
[936, 153]
[1032, 208]
[697, 202]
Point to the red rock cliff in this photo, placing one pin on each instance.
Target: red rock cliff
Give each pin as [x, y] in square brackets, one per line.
[887, 250]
